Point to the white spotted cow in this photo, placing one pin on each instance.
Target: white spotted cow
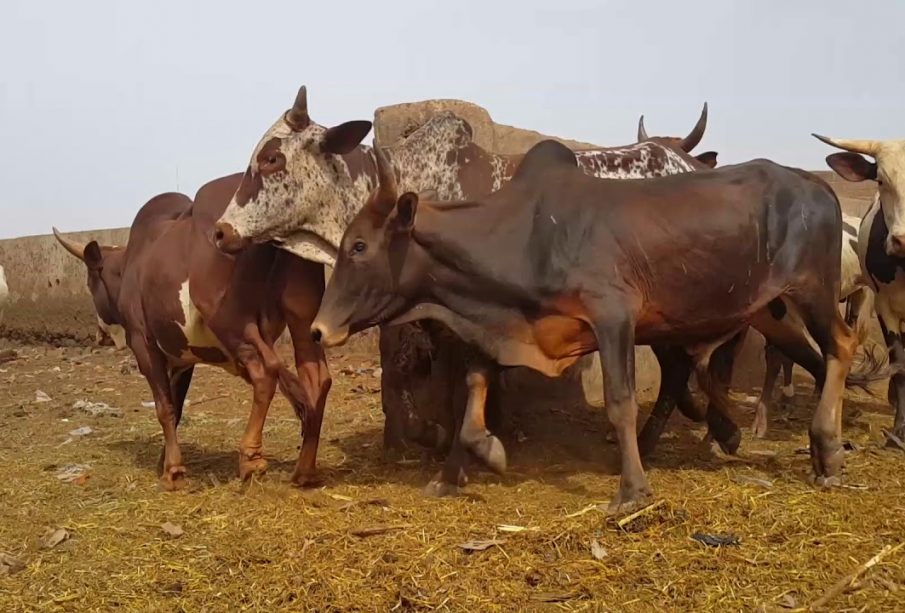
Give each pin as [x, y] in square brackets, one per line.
[881, 248]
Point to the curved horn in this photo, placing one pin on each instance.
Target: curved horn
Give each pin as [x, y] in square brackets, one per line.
[697, 133]
[297, 117]
[867, 147]
[76, 249]
[642, 133]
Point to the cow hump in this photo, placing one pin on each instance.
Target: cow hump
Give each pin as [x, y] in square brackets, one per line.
[543, 155]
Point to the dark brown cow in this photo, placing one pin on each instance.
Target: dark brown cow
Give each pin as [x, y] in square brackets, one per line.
[183, 302]
[301, 193]
[557, 264]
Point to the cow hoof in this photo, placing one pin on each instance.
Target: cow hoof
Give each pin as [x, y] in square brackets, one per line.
[759, 427]
[251, 465]
[440, 489]
[491, 452]
[826, 482]
[173, 479]
[827, 462]
[305, 479]
[730, 444]
[627, 502]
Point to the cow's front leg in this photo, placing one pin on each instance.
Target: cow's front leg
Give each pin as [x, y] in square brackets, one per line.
[474, 433]
[616, 341]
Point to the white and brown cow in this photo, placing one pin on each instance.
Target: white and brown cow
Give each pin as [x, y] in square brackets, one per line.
[881, 249]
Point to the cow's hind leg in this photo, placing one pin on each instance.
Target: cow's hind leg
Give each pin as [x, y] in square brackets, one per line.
[774, 363]
[675, 370]
[152, 364]
[715, 376]
[837, 343]
[896, 382]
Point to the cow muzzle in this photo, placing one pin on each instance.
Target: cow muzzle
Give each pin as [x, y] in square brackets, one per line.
[227, 239]
[323, 335]
[895, 245]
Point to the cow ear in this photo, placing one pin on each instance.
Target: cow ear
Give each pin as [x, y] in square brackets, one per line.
[406, 207]
[94, 259]
[852, 166]
[343, 138]
[708, 158]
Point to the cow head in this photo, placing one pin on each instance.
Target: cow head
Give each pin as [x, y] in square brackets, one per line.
[367, 286]
[297, 186]
[706, 159]
[887, 169]
[104, 265]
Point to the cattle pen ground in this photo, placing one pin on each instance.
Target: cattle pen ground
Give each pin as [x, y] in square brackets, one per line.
[367, 540]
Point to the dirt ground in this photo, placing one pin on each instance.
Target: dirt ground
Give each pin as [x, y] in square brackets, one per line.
[366, 539]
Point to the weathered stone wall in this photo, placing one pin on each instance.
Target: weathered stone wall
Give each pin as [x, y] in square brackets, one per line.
[49, 300]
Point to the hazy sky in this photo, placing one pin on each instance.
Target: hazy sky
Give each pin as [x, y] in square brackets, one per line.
[105, 103]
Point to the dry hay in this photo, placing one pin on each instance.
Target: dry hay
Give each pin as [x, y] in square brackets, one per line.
[367, 539]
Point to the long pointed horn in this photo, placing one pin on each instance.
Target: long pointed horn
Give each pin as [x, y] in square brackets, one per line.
[297, 117]
[642, 133]
[387, 192]
[697, 133]
[76, 249]
[867, 147]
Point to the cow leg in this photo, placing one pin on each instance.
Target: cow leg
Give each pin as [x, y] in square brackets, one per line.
[152, 364]
[774, 363]
[475, 436]
[675, 370]
[716, 379]
[616, 342]
[838, 343]
[896, 395]
[314, 378]
[179, 388]
[264, 385]
[788, 387]
[452, 476]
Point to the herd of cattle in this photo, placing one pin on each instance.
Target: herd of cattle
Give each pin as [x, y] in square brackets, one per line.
[482, 262]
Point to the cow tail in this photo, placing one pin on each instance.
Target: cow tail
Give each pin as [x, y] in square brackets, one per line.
[875, 366]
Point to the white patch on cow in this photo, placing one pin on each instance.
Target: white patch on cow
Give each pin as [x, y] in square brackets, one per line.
[197, 333]
[851, 279]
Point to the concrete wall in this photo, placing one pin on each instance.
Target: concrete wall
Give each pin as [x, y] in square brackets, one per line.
[49, 300]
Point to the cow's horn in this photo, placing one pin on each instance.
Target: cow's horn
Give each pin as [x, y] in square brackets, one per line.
[386, 180]
[297, 116]
[642, 133]
[697, 133]
[867, 147]
[76, 249]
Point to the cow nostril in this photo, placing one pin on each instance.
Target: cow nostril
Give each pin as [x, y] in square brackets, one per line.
[218, 235]
[316, 335]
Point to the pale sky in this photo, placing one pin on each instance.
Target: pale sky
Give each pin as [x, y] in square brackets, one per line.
[104, 104]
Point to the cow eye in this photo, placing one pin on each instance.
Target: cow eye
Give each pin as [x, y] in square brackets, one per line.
[358, 247]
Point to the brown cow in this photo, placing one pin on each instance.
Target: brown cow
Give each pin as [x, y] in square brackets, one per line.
[557, 264]
[183, 302]
[307, 196]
